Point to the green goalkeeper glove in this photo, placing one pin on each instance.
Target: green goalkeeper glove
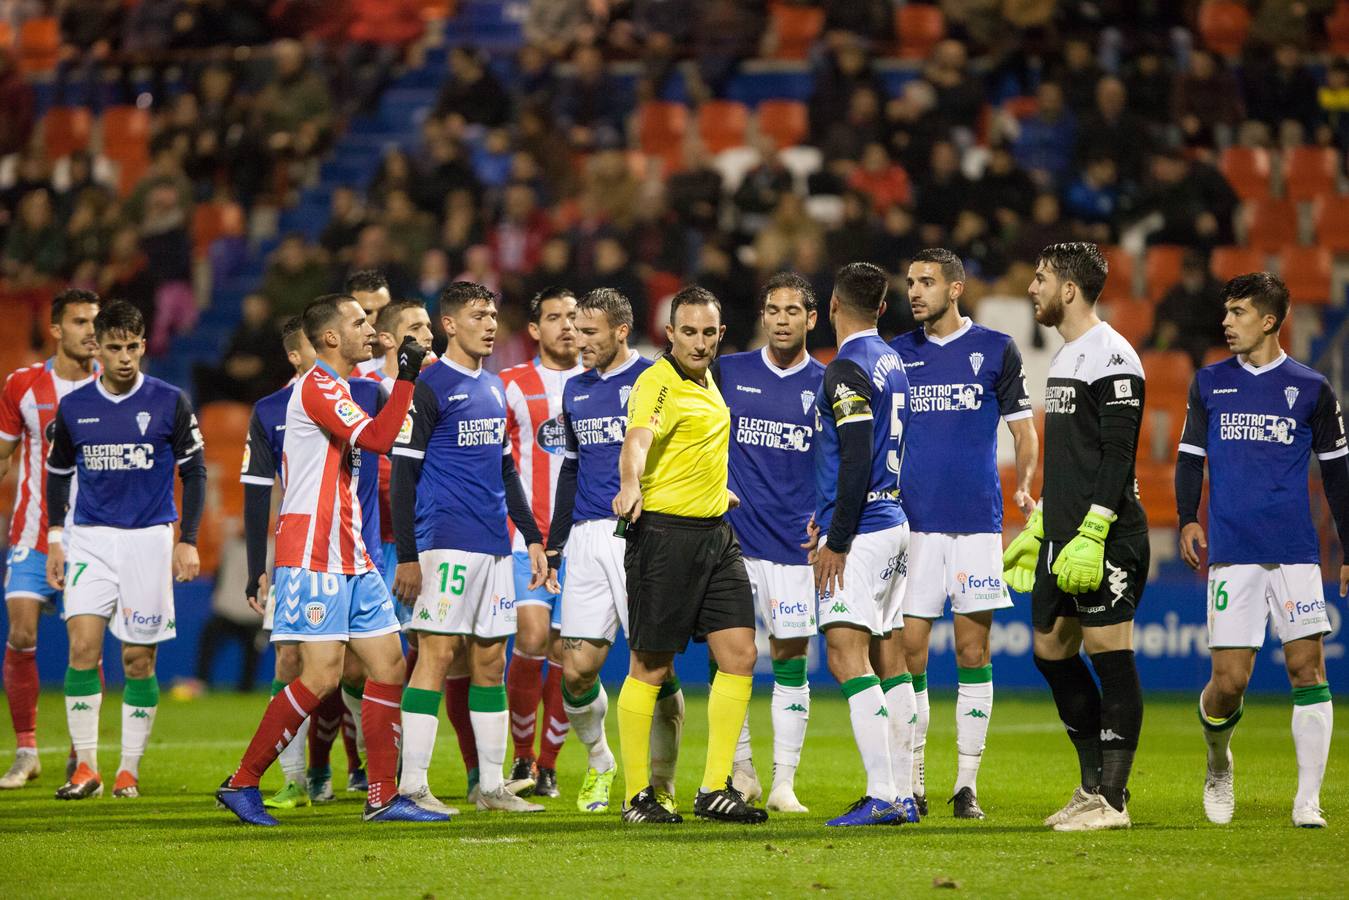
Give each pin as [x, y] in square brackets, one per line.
[1081, 565]
[1018, 560]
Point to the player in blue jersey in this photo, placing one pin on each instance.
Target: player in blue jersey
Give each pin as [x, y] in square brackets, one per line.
[124, 434]
[595, 596]
[1258, 418]
[454, 483]
[771, 394]
[963, 380]
[1084, 553]
[862, 559]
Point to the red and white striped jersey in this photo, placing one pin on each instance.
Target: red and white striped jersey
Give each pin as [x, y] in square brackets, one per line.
[534, 423]
[319, 527]
[27, 411]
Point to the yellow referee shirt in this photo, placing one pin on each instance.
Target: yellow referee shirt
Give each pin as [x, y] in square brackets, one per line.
[686, 468]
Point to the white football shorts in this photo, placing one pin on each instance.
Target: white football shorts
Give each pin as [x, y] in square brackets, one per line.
[966, 568]
[595, 594]
[784, 597]
[873, 583]
[1242, 599]
[124, 575]
[465, 593]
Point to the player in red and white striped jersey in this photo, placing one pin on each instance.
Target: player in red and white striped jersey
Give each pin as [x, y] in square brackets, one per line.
[534, 424]
[27, 412]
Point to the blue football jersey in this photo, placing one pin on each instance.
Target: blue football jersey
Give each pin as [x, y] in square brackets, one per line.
[123, 450]
[865, 382]
[1259, 428]
[266, 439]
[772, 436]
[960, 387]
[594, 420]
[369, 396]
[457, 428]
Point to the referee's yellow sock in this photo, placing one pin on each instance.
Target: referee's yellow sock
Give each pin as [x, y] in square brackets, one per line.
[636, 709]
[726, 705]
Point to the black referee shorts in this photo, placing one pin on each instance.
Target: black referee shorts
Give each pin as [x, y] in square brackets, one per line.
[686, 579]
[1115, 601]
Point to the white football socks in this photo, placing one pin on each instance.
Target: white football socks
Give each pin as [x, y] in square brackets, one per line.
[974, 705]
[587, 722]
[1313, 723]
[871, 730]
[903, 706]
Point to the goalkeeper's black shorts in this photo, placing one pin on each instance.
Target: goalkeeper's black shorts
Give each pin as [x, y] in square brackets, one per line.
[1115, 601]
[686, 579]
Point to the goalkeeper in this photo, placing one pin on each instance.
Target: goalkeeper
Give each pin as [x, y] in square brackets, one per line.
[1084, 553]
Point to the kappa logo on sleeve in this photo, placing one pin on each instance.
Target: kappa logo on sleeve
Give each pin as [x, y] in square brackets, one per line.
[348, 411]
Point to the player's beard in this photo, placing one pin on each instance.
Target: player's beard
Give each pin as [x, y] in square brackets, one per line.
[1050, 314]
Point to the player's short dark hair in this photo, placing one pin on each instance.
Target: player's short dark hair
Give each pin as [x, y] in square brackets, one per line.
[290, 333]
[1266, 291]
[458, 293]
[365, 281]
[693, 295]
[616, 307]
[861, 286]
[1080, 262]
[388, 317]
[552, 292]
[121, 317]
[319, 313]
[70, 297]
[789, 281]
[952, 269]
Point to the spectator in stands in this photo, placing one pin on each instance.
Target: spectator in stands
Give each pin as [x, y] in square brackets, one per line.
[725, 34]
[1045, 227]
[554, 267]
[168, 255]
[613, 268]
[1189, 316]
[942, 192]
[863, 125]
[1281, 89]
[1079, 74]
[294, 111]
[855, 229]
[871, 20]
[1093, 199]
[982, 252]
[472, 93]
[1149, 83]
[480, 268]
[656, 241]
[372, 252]
[518, 239]
[462, 229]
[346, 218]
[913, 124]
[1111, 129]
[411, 231]
[1190, 200]
[1044, 146]
[1206, 101]
[89, 228]
[432, 279]
[149, 26]
[535, 82]
[295, 275]
[1289, 21]
[254, 363]
[761, 188]
[446, 171]
[844, 68]
[379, 33]
[773, 247]
[394, 174]
[165, 171]
[960, 96]
[591, 105]
[720, 272]
[1333, 106]
[32, 173]
[16, 105]
[126, 276]
[897, 241]
[537, 135]
[224, 142]
[556, 25]
[35, 246]
[695, 193]
[1005, 191]
[881, 179]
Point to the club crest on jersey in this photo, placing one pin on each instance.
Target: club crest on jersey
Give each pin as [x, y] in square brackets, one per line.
[347, 411]
[143, 421]
[807, 400]
[248, 456]
[314, 613]
[1289, 394]
[1081, 358]
[623, 393]
[976, 362]
[497, 394]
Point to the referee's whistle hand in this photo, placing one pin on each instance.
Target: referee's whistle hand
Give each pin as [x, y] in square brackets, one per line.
[407, 582]
[628, 503]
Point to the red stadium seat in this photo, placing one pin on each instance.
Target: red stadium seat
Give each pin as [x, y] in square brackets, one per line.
[1271, 225]
[796, 27]
[1131, 318]
[1309, 171]
[1157, 491]
[1247, 169]
[1306, 271]
[39, 45]
[722, 124]
[1337, 29]
[1119, 285]
[1330, 213]
[66, 129]
[212, 221]
[1168, 375]
[224, 427]
[918, 27]
[785, 121]
[660, 130]
[1224, 24]
[1229, 262]
[1161, 269]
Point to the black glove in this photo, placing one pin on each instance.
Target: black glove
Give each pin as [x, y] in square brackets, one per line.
[410, 356]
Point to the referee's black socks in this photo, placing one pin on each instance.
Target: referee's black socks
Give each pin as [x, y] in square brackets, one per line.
[1121, 720]
[1079, 704]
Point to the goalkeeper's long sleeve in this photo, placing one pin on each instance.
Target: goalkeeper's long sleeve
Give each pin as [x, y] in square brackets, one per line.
[1120, 419]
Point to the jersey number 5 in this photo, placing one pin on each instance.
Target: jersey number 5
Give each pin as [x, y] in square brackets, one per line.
[893, 458]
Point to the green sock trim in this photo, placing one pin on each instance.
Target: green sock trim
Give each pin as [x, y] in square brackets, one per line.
[887, 683]
[1211, 724]
[668, 689]
[420, 700]
[352, 691]
[854, 686]
[277, 686]
[1304, 696]
[920, 682]
[981, 675]
[585, 699]
[487, 699]
[82, 682]
[141, 692]
[790, 672]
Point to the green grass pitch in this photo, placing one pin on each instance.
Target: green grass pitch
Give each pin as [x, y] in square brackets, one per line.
[174, 843]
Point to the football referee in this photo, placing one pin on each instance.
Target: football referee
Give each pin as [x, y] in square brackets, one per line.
[685, 576]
